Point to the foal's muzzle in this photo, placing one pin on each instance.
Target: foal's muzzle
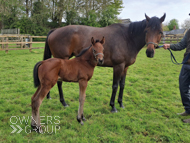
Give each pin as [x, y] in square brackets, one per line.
[100, 61]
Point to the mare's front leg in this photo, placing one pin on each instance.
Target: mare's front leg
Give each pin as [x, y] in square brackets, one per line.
[62, 100]
[48, 95]
[122, 85]
[82, 96]
[117, 71]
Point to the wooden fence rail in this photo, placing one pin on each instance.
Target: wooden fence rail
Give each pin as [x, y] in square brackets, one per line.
[23, 42]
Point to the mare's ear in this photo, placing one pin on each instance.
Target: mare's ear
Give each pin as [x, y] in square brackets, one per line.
[92, 41]
[163, 18]
[102, 41]
[147, 18]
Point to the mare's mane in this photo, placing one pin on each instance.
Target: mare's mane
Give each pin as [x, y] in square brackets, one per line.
[136, 28]
[86, 49]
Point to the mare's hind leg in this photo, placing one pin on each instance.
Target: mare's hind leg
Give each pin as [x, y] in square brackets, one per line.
[82, 95]
[36, 102]
[122, 85]
[62, 100]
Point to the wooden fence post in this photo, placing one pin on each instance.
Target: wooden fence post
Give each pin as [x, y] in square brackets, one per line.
[7, 47]
[3, 44]
[21, 45]
[30, 44]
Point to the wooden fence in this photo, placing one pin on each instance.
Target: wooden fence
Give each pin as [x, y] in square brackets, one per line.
[18, 42]
[23, 42]
[10, 31]
[171, 39]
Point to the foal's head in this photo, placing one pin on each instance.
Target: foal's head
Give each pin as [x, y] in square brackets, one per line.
[154, 34]
[97, 48]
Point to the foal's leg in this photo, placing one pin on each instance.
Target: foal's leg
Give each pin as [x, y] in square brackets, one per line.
[122, 85]
[34, 116]
[36, 102]
[62, 100]
[117, 71]
[82, 95]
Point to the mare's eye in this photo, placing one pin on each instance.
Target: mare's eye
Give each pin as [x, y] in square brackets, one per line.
[94, 51]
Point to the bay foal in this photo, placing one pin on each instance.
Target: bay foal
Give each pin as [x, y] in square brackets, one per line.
[79, 69]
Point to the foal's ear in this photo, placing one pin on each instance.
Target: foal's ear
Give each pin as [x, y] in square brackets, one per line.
[102, 41]
[147, 18]
[92, 41]
[163, 17]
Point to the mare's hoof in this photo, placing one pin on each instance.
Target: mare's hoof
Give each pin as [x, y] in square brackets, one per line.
[186, 121]
[64, 103]
[121, 105]
[114, 110]
[48, 97]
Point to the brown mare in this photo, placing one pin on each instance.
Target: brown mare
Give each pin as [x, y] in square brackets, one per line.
[123, 43]
[79, 69]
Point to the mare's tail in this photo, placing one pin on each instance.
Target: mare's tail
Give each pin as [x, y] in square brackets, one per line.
[47, 52]
[35, 74]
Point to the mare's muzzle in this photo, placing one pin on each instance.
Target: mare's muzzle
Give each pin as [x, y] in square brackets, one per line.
[150, 53]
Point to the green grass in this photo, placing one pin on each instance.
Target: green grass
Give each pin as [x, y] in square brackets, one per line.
[151, 99]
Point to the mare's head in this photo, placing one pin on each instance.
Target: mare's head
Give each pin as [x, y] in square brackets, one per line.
[154, 34]
[97, 48]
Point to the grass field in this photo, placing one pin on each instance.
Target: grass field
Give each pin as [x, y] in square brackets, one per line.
[151, 100]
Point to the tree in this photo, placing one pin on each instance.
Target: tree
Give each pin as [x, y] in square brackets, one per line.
[173, 23]
[186, 24]
[165, 27]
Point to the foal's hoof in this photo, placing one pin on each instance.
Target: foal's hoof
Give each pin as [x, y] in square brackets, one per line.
[37, 129]
[80, 120]
[114, 110]
[83, 118]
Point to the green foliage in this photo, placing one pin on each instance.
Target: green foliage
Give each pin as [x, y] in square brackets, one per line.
[172, 23]
[151, 99]
[71, 17]
[109, 14]
[165, 27]
[91, 20]
[40, 14]
[37, 17]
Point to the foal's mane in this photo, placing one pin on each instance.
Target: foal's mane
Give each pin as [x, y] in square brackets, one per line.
[86, 49]
[136, 28]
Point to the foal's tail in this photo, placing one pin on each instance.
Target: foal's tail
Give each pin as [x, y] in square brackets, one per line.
[47, 52]
[35, 74]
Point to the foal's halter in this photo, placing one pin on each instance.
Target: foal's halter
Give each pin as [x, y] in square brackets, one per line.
[96, 54]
